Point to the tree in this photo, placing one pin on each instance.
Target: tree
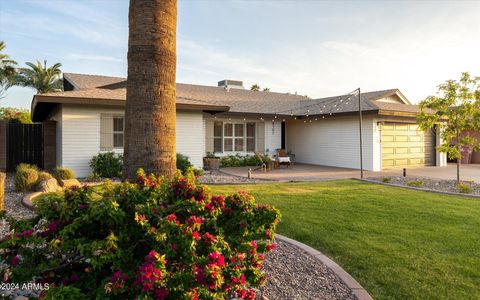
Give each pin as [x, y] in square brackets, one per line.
[150, 112]
[7, 70]
[15, 115]
[255, 87]
[41, 78]
[454, 111]
[266, 89]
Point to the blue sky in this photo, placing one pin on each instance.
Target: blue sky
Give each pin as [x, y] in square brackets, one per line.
[315, 48]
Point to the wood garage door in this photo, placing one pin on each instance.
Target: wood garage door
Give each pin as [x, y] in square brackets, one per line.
[406, 145]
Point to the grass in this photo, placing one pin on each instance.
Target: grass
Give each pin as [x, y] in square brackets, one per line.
[398, 243]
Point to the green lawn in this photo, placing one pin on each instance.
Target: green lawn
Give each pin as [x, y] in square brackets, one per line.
[398, 243]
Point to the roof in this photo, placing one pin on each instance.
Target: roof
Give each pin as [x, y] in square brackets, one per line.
[104, 90]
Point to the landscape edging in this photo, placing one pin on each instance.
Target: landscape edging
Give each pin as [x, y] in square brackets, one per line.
[347, 279]
[27, 199]
[418, 188]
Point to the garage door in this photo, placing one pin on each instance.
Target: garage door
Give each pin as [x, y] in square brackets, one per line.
[406, 145]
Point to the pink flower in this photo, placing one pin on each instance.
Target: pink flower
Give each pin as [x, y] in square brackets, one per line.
[15, 261]
[271, 247]
[161, 293]
[172, 217]
[118, 279]
[148, 277]
[216, 259]
[209, 238]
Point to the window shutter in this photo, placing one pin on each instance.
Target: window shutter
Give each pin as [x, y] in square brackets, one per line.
[261, 137]
[209, 135]
[106, 132]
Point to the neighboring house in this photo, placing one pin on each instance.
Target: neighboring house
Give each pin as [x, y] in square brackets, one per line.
[228, 119]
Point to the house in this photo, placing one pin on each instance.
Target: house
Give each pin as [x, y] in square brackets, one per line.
[228, 119]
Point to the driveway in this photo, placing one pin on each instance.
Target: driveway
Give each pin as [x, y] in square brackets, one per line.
[305, 172]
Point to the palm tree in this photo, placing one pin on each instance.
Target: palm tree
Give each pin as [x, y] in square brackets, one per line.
[151, 88]
[41, 78]
[7, 70]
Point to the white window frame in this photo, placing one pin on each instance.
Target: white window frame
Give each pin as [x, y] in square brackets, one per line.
[233, 137]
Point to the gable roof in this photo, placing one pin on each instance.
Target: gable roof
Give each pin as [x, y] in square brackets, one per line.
[104, 90]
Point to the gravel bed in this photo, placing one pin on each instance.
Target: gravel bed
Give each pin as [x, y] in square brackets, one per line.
[217, 177]
[13, 205]
[431, 184]
[293, 274]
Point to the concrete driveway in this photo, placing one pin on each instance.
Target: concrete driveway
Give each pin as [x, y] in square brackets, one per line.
[305, 172]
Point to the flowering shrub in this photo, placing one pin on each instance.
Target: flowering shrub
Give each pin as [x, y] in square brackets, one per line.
[151, 239]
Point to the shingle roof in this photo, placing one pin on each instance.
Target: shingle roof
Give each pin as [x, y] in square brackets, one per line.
[238, 100]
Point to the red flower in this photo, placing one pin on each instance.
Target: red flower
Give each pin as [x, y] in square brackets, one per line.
[148, 277]
[172, 217]
[209, 238]
[118, 279]
[270, 247]
[216, 259]
[15, 261]
[196, 235]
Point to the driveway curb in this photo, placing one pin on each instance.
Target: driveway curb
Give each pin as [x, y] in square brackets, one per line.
[349, 281]
[418, 189]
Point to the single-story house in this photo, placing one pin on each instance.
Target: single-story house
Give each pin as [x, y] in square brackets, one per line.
[228, 119]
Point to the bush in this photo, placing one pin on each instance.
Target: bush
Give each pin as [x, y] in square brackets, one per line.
[107, 165]
[2, 192]
[465, 188]
[143, 240]
[26, 177]
[183, 163]
[94, 178]
[239, 161]
[386, 179]
[44, 176]
[416, 183]
[63, 173]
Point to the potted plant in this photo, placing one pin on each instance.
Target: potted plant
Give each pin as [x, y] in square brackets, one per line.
[211, 162]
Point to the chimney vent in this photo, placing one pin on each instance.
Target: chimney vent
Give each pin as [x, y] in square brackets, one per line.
[231, 84]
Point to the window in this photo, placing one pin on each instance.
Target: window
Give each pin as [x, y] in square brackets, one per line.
[118, 131]
[233, 137]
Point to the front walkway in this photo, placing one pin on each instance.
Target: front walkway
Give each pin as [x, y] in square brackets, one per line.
[305, 172]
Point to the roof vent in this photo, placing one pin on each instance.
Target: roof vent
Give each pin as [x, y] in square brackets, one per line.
[231, 84]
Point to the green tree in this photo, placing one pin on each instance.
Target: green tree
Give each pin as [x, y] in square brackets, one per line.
[266, 89]
[454, 110]
[7, 70]
[41, 78]
[15, 115]
[255, 87]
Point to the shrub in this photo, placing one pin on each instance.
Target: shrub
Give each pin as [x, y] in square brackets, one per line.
[2, 192]
[416, 183]
[26, 177]
[386, 179]
[143, 240]
[93, 178]
[239, 161]
[63, 173]
[465, 188]
[107, 165]
[183, 163]
[44, 176]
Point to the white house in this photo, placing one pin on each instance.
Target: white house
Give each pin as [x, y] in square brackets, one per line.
[227, 119]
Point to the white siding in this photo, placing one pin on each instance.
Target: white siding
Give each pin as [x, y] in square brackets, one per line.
[80, 136]
[273, 136]
[191, 136]
[332, 142]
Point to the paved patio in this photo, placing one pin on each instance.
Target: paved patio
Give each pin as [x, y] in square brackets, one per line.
[305, 172]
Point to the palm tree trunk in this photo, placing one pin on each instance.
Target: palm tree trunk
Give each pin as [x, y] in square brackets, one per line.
[150, 113]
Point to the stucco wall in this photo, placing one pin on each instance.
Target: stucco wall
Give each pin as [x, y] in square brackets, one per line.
[332, 142]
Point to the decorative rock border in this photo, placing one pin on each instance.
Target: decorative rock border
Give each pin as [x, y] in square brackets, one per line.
[349, 281]
[418, 188]
[27, 199]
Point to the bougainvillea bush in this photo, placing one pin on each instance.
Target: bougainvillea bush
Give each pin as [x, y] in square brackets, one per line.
[150, 239]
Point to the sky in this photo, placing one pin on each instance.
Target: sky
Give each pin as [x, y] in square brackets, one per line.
[314, 48]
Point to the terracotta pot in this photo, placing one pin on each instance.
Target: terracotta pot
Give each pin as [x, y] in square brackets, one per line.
[211, 163]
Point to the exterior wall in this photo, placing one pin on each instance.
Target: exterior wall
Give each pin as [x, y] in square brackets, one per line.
[3, 145]
[332, 142]
[79, 135]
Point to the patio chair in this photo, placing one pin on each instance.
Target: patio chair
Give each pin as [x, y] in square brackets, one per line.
[283, 158]
[261, 164]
